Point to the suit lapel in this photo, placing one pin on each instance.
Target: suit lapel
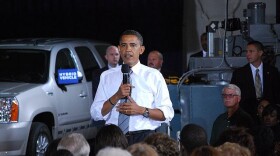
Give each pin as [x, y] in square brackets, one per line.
[249, 77]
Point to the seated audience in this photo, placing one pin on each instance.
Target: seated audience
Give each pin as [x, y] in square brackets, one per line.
[239, 136]
[264, 140]
[110, 135]
[271, 118]
[233, 149]
[205, 151]
[142, 149]
[263, 103]
[52, 148]
[165, 145]
[62, 152]
[234, 115]
[75, 143]
[113, 151]
[191, 137]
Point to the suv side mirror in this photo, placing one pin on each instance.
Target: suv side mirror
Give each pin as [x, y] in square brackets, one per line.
[80, 76]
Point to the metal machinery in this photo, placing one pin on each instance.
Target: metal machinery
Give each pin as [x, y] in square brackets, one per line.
[200, 101]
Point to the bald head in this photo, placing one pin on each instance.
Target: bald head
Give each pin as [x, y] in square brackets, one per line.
[112, 56]
[155, 59]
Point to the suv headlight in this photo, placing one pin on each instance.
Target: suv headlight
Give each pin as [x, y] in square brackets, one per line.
[8, 110]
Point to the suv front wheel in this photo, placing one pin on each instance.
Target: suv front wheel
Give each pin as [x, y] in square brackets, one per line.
[39, 139]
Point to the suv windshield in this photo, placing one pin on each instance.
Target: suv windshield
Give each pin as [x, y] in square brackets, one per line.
[30, 66]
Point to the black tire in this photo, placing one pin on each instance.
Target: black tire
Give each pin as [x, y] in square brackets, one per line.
[39, 139]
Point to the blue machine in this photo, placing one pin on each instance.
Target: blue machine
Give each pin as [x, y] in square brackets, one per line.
[199, 104]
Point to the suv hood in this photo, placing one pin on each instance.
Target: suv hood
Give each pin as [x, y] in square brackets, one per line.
[15, 88]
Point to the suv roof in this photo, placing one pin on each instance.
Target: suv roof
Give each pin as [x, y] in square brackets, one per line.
[47, 43]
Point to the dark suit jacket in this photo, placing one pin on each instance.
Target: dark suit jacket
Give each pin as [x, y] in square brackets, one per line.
[198, 54]
[243, 78]
[96, 78]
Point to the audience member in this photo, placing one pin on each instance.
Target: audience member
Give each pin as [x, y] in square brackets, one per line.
[52, 148]
[142, 149]
[155, 60]
[233, 149]
[271, 118]
[233, 117]
[62, 152]
[191, 137]
[110, 135]
[112, 56]
[113, 151]
[139, 107]
[257, 80]
[239, 136]
[263, 103]
[165, 145]
[205, 151]
[264, 140]
[75, 143]
[204, 46]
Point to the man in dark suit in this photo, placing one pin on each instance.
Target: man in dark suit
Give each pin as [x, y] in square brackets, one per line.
[203, 43]
[112, 56]
[247, 76]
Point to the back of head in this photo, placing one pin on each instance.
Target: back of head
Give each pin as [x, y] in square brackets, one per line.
[113, 151]
[164, 144]
[205, 151]
[191, 137]
[75, 143]
[62, 152]
[233, 149]
[239, 136]
[142, 149]
[110, 135]
[52, 148]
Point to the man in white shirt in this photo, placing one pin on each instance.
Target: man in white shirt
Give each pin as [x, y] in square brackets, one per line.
[148, 102]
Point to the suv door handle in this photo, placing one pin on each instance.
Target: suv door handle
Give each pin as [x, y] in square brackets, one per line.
[50, 93]
[83, 95]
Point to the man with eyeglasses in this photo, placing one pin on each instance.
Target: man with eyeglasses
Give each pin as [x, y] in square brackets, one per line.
[234, 116]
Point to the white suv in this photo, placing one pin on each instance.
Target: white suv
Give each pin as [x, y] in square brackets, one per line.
[35, 107]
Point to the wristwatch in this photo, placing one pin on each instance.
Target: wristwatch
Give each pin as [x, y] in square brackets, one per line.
[146, 113]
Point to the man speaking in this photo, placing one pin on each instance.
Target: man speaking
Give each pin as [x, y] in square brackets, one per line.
[148, 103]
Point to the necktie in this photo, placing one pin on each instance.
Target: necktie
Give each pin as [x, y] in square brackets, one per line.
[123, 121]
[258, 84]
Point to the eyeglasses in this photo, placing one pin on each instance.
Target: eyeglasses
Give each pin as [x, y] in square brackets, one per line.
[229, 95]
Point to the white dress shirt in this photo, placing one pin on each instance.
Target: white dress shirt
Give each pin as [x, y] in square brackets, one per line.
[149, 90]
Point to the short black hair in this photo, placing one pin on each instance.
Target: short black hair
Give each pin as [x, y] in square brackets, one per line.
[258, 44]
[193, 136]
[132, 32]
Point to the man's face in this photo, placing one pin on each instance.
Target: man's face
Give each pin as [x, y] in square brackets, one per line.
[130, 48]
[154, 61]
[113, 56]
[254, 56]
[231, 99]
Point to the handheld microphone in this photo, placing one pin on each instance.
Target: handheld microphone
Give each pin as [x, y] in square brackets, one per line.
[126, 76]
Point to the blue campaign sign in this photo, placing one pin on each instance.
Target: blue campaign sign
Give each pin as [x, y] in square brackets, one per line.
[67, 76]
